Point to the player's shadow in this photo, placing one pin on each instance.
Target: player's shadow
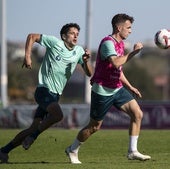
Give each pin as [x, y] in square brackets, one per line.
[37, 162]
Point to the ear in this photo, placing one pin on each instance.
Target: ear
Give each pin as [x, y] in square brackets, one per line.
[119, 27]
[64, 36]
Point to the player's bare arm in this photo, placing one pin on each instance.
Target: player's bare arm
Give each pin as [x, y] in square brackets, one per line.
[117, 61]
[136, 49]
[31, 38]
[129, 86]
[87, 67]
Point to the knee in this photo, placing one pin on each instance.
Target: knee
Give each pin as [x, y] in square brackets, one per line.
[58, 116]
[94, 126]
[55, 111]
[138, 115]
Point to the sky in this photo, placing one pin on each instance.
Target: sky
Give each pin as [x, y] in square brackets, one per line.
[47, 17]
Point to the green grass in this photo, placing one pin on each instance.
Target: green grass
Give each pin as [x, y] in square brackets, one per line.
[104, 150]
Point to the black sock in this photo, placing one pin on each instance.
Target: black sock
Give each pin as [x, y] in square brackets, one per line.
[7, 148]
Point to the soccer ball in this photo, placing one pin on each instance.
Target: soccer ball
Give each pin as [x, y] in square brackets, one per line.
[162, 38]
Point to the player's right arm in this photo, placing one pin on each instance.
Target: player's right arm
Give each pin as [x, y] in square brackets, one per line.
[31, 38]
[117, 61]
[136, 49]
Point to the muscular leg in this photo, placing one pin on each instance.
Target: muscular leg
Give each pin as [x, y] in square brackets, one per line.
[23, 134]
[87, 131]
[18, 139]
[55, 114]
[48, 102]
[133, 110]
[83, 135]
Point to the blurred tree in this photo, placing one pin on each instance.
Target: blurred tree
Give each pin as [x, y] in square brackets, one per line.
[141, 79]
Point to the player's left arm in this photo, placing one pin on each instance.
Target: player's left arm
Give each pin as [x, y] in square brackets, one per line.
[87, 67]
[129, 86]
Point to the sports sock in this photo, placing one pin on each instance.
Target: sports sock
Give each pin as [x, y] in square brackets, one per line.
[7, 148]
[76, 145]
[133, 140]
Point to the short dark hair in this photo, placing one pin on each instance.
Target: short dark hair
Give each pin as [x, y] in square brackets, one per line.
[119, 18]
[66, 28]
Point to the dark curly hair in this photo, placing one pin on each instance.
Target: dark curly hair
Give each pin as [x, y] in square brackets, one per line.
[66, 28]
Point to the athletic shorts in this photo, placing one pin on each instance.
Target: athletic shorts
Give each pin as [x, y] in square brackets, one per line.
[100, 105]
[43, 98]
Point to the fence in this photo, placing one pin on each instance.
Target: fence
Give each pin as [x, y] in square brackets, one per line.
[156, 116]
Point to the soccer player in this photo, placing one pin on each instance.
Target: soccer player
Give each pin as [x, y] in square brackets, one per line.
[109, 88]
[60, 60]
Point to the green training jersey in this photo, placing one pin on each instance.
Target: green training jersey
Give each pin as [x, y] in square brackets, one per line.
[58, 63]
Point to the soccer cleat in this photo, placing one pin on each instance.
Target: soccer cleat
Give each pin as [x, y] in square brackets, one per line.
[26, 144]
[3, 157]
[72, 156]
[137, 156]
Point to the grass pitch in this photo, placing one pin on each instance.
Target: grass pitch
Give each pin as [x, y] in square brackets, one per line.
[106, 149]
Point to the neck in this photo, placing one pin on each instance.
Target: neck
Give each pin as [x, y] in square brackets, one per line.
[116, 37]
[68, 47]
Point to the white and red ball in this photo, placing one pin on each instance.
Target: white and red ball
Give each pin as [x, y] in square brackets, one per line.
[162, 38]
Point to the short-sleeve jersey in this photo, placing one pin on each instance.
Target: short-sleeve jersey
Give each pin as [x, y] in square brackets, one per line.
[58, 63]
[106, 74]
